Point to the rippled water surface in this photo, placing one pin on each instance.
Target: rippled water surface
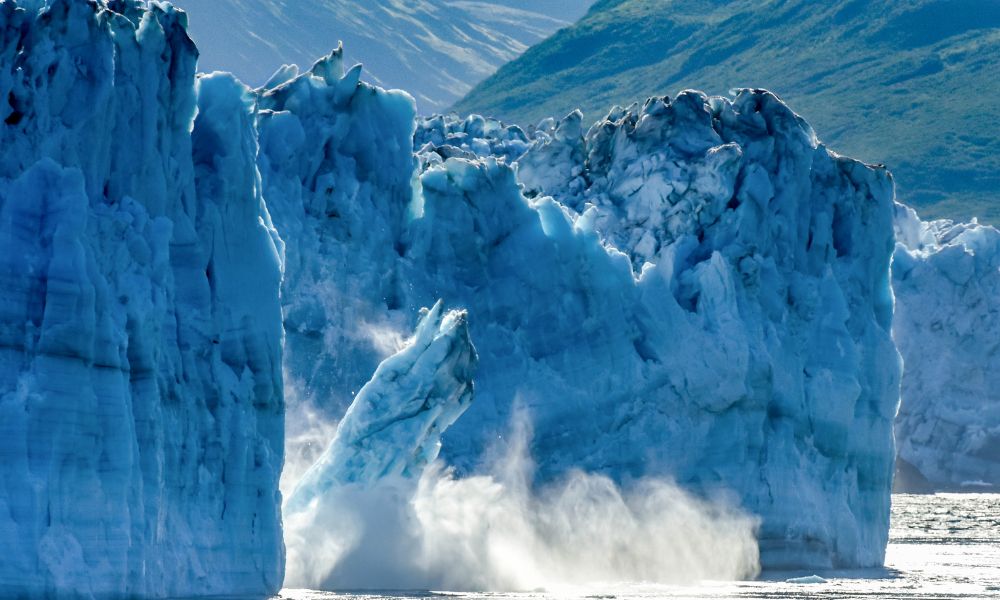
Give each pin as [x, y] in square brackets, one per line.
[941, 547]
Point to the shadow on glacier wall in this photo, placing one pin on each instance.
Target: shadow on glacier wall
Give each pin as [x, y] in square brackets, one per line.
[141, 401]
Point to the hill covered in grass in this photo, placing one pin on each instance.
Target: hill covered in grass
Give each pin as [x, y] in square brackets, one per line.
[913, 84]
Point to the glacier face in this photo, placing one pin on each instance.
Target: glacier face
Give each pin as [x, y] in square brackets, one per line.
[695, 288]
[944, 282]
[336, 161]
[141, 395]
[777, 251]
[946, 277]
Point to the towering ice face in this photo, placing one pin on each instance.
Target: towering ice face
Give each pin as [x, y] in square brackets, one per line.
[753, 354]
[947, 424]
[141, 402]
[777, 251]
[947, 282]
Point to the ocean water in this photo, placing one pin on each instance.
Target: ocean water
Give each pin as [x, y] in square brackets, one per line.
[945, 546]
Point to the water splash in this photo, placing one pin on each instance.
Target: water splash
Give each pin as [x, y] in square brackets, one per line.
[498, 532]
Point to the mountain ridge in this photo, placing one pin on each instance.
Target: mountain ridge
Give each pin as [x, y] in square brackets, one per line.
[902, 84]
[434, 49]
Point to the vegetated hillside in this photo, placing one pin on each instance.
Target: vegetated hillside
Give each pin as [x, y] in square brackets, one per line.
[912, 84]
[434, 49]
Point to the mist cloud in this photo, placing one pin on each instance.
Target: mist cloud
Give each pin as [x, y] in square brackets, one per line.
[497, 532]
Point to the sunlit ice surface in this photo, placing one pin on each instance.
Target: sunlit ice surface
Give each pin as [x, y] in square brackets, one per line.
[945, 546]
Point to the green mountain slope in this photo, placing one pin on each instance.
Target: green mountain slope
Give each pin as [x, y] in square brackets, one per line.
[914, 84]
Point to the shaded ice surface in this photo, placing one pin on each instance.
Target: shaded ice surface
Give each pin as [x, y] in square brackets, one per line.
[946, 277]
[752, 354]
[337, 167]
[141, 400]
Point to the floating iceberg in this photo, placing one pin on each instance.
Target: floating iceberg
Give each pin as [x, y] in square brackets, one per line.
[141, 401]
[807, 580]
[946, 277]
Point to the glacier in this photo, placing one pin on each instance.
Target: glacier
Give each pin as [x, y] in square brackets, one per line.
[337, 164]
[696, 288]
[141, 394]
[946, 278]
[693, 289]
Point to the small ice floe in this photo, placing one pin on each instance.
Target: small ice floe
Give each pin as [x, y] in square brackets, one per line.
[977, 484]
[806, 580]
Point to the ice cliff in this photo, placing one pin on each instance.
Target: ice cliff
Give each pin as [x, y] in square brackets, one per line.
[946, 277]
[694, 288]
[141, 395]
[776, 251]
[336, 160]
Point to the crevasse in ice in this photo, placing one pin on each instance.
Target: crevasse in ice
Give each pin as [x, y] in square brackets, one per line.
[141, 395]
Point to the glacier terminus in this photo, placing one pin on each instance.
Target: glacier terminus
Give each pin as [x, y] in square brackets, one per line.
[692, 304]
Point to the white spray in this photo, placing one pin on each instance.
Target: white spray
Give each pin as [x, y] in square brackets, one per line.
[496, 532]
